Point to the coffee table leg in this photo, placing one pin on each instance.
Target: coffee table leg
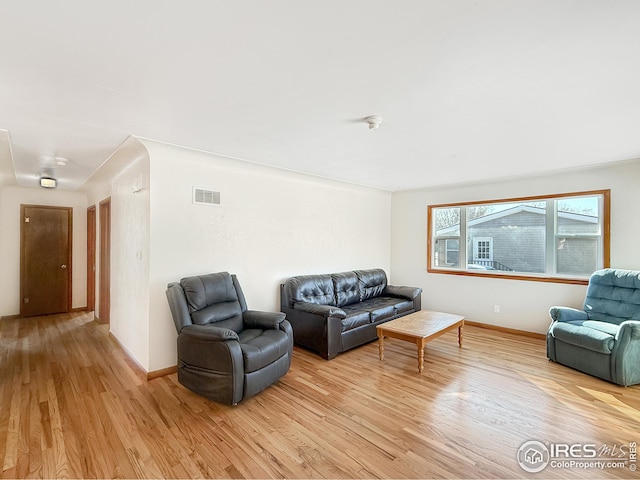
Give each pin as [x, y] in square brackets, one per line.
[460, 334]
[420, 344]
[381, 346]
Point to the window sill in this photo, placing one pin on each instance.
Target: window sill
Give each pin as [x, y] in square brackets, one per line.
[511, 276]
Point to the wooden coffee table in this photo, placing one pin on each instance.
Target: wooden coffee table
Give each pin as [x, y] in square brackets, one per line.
[419, 328]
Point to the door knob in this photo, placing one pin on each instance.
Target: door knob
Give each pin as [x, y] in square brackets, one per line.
[63, 266]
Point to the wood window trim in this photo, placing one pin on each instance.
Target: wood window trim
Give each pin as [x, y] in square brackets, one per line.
[606, 238]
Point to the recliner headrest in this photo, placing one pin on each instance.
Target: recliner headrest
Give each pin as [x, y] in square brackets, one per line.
[613, 295]
[204, 290]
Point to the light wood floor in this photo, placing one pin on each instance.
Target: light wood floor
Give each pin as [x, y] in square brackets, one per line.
[71, 405]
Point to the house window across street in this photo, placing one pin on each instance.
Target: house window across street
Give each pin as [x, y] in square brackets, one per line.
[482, 249]
[452, 247]
[561, 238]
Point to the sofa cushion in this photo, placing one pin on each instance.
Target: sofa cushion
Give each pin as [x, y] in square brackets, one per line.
[346, 288]
[262, 347]
[316, 289]
[380, 308]
[382, 313]
[403, 306]
[606, 327]
[356, 317]
[594, 336]
[371, 283]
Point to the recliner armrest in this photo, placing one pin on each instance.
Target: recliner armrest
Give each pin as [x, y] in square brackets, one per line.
[626, 354]
[264, 320]
[402, 292]
[630, 328]
[567, 314]
[209, 332]
[324, 310]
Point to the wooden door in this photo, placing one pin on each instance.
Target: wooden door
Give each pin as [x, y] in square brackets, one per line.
[91, 258]
[104, 306]
[45, 259]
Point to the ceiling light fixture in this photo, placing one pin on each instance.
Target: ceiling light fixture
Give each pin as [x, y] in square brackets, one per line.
[374, 121]
[48, 182]
[60, 161]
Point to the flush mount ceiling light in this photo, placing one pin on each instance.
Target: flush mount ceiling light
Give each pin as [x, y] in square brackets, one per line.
[48, 182]
[374, 121]
[60, 161]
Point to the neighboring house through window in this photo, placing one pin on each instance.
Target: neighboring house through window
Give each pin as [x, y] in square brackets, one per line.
[562, 238]
[483, 251]
[452, 247]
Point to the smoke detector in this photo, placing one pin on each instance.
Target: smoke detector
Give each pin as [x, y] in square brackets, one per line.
[374, 121]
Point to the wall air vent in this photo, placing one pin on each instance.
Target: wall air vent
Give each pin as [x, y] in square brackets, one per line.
[205, 196]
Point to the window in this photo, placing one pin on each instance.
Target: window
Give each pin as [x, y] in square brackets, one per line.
[560, 238]
[482, 249]
[452, 246]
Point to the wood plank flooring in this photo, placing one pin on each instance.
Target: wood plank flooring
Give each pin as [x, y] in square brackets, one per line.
[73, 406]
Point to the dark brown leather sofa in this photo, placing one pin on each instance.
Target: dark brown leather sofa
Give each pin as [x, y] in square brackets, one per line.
[332, 313]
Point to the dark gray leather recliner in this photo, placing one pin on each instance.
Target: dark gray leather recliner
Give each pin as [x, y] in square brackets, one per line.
[226, 352]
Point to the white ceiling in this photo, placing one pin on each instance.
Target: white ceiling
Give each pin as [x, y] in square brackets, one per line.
[469, 89]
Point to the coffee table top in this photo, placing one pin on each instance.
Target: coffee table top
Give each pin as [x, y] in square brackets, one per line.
[423, 323]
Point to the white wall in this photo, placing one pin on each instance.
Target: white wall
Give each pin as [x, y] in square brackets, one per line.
[524, 305]
[10, 200]
[272, 224]
[125, 179]
[130, 260]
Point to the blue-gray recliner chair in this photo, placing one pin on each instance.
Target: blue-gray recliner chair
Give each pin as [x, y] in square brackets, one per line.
[225, 351]
[603, 339]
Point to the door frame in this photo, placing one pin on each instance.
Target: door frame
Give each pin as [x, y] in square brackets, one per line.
[104, 306]
[91, 258]
[23, 279]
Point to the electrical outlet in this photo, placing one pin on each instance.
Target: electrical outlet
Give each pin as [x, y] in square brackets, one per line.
[496, 309]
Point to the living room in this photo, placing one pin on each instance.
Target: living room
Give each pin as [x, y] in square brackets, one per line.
[273, 223]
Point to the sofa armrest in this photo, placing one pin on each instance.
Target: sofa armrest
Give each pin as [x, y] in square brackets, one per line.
[409, 293]
[567, 314]
[324, 310]
[264, 320]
